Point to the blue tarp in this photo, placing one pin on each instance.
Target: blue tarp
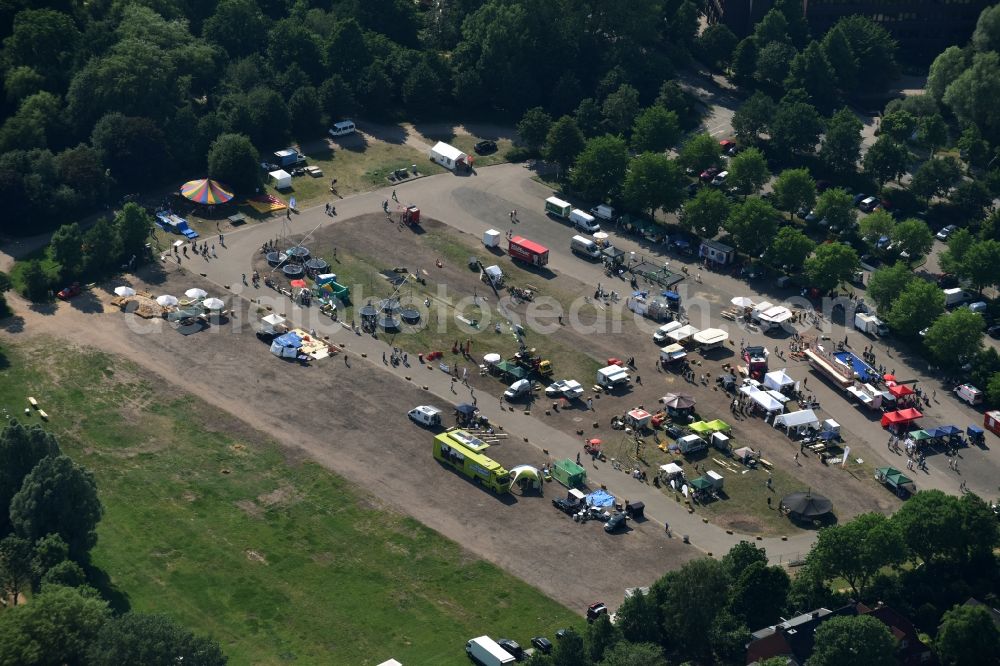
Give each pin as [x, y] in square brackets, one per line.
[671, 295]
[827, 435]
[289, 339]
[600, 498]
[640, 294]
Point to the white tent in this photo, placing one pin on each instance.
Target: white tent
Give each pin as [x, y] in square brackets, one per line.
[805, 418]
[777, 380]
[447, 155]
[764, 399]
[528, 473]
[710, 337]
[682, 333]
[282, 179]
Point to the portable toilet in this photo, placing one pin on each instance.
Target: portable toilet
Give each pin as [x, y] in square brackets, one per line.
[721, 442]
[491, 238]
[715, 479]
[569, 473]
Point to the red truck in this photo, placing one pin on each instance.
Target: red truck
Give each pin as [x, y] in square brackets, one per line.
[527, 251]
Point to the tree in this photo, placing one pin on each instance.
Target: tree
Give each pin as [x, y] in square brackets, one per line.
[620, 108]
[533, 128]
[772, 28]
[796, 127]
[981, 264]
[588, 117]
[857, 550]
[886, 160]
[635, 654]
[67, 248]
[15, 567]
[790, 249]
[935, 177]
[772, 62]
[972, 198]
[744, 61]
[155, 640]
[973, 147]
[691, 597]
[706, 212]
[947, 67]
[563, 143]
[795, 190]
[932, 131]
[899, 125]
[655, 130]
[759, 594]
[915, 307]
[741, 556]
[601, 637]
[238, 26]
[36, 282]
[305, 111]
[912, 236]
[968, 635]
[959, 244]
[55, 628]
[715, 46]
[637, 619]
[837, 207]
[21, 449]
[753, 117]
[838, 53]
[133, 225]
[830, 265]
[601, 166]
[99, 247]
[44, 39]
[653, 181]
[954, 339]
[728, 636]
[232, 159]
[58, 497]
[874, 50]
[569, 650]
[970, 95]
[753, 225]
[133, 149]
[876, 225]
[887, 282]
[700, 152]
[841, 144]
[748, 171]
[811, 71]
[986, 36]
[858, 639]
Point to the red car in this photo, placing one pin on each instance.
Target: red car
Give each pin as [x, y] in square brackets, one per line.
[69, 292]
[728, 146]
[709, 174]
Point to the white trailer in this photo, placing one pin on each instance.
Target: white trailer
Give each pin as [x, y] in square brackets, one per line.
[487, 652]
[870, 324]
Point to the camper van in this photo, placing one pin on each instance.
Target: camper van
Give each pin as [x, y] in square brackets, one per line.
[584, 221]
[426, 416]
[343, 128]
[584, 247]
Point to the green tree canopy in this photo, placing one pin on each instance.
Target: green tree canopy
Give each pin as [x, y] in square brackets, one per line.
[987, 34]
[932, 131]
[947, 67]
[67, 248]
[857, 639]
[55, 628]
[887, 282]
[954, 339]
[601, 637]
[981, 264]
[133, 226]
[655, 130]
[795, 189]
[841, 145]
[706, 212]
[971, 95]
[795, 127]
[753, 117]
[715, 45]
[569, 650]
[772, 62]
[753, 225]
[943, 529]
[15, 567]
[841, 58]
[968, 635]
[635, 654]
[759, 594]
[534, 126]
[935, 177]
[830, 265]
[790, 249]
[600, 168]
[637, 619]
[700, 152]
[21, 449]
[912, 236]
[741, 556]
[899, 125]
[959, 244]
[748, 171]
[873, 48]
[836, 206]
[232, 160]
[810, 70]
[58, 497]
[691, 598]
[620, 108]
[886, 160]
[857, 550]
[915, 307]
[564, 142]
[154, 640]
[653, 182]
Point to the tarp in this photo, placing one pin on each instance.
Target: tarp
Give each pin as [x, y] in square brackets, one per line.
[290, 339]
[767, 402]
[206, 191]
[948, 431]
[600, 498]
[701, 483]
[797, 419]
[700, 427]
[920, 435]
[893, 476]
[899, 390]
[777, 380]
[671, 469]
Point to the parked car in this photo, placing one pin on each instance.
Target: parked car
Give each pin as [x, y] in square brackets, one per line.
[720, 178]
[708, 174]
[869, 204]
[69, 292]
[823, 185]
[542, 644]
[728, 146]
[485, 147]
[615, 522]
[566, 505]
[512, 647]
[946, 232]
[994, 331]
[858, 198]
[595, 611]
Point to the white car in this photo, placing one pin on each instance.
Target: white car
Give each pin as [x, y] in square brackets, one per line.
[566, 388]
[720, 178]
[946, 233]
[517, 389]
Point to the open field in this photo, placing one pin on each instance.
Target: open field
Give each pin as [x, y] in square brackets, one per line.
[234, 536]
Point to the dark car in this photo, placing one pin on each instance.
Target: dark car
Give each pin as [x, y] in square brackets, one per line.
[542, 644]
[512, 648]
[823, 185]
[486, 147]
[69, 292]
[566, 505]
[596, 610]
[692, 189]
[994, 331]
[615, 523]
[561, 634]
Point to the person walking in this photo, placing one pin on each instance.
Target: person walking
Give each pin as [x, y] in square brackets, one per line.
[797, 460]
[394, 197]
[244, 279]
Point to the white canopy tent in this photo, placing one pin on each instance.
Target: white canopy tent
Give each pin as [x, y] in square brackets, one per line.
[766, 401]
[777, 380]
[710, 337]
[798, 421]
[683, 333]
[282, 179]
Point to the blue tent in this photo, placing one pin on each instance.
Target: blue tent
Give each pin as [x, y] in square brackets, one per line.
[947, 431]
[290, 339]
[671, 295]
[827, 435]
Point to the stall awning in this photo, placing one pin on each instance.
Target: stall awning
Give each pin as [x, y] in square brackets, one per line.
[900, 416]
[899, 390]
[777, 380]
[700, 427]
[797, 419]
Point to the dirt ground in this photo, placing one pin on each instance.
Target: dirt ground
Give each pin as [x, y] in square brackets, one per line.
[373, 238]
[353, 421]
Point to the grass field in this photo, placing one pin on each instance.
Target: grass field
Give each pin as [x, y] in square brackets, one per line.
[276, 558]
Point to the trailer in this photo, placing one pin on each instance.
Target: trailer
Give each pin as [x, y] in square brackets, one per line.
[870, 324]
[530, 252]
[569, 473]
[558, 208]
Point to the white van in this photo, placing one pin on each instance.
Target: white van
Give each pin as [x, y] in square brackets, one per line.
[425, 415]
[585, 247]
[720, 178]
[343, 128]
[584, 221]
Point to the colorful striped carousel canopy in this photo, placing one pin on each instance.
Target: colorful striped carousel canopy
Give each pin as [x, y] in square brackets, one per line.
[205, 191]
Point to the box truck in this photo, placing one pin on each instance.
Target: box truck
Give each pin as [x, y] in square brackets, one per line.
[522, 249]
[487, 652]
[558, 208]
[870, 324]
[955, 296]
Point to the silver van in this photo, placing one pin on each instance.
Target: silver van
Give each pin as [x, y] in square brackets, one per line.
[584, 247]
[342, 128]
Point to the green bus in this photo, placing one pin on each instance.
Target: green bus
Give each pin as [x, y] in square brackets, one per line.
[463, 451]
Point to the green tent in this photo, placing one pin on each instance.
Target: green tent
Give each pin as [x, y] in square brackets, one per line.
[701, 427]
[701, 483]
[718, 425]
[920, 435]
[892, 477]
[511, 370]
